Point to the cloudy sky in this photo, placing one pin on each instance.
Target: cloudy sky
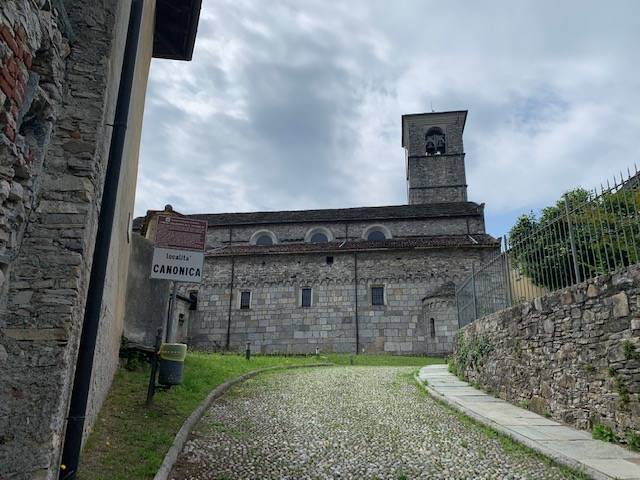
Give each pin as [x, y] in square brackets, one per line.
[296, 104]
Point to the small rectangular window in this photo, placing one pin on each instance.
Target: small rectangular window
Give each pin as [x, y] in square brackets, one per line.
[377, 295]
[330, 260]
[245, 300]
[306, 297]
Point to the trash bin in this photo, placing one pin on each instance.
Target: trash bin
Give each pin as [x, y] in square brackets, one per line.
[171, 362]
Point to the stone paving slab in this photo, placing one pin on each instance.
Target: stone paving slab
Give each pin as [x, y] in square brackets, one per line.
[620, 469]
[458, 391]
[551, 432]
[444, 381]
[563, 444]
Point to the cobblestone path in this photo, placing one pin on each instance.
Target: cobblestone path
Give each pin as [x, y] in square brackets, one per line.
[345, 423]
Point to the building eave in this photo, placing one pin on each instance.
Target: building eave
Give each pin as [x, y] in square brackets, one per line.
[478, 241]
[176, 28]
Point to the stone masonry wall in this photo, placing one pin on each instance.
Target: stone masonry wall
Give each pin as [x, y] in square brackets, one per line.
[295, 232]
[147, 299]
[573, 355]
[276, 321]
[436, 178]
[441, 337]
[59, 77]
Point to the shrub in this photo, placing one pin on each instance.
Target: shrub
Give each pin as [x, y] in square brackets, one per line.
[602, 432]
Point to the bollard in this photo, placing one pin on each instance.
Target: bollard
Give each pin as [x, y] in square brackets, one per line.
[247, 353]
[317, 351]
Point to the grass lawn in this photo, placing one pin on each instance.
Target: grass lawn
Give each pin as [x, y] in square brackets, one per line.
[129, 441]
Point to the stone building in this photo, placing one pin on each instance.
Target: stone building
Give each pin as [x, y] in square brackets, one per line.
[374, 279]
[61, 78]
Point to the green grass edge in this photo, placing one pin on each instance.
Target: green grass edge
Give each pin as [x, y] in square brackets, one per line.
[129, 442]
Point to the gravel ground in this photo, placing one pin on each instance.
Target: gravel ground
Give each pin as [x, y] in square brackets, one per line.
[344, 423]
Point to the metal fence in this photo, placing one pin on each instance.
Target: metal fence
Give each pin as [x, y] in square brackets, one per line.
[587, 233]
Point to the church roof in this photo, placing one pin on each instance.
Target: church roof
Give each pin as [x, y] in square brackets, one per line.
[395, 212]
[477, 240]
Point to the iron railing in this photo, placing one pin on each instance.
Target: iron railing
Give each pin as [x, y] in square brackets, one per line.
[587, 233]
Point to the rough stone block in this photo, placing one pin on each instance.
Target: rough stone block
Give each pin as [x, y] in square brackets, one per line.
[620, 305]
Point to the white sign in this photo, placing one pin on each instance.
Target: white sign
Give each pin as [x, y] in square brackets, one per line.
[178, 265]
[179, 249]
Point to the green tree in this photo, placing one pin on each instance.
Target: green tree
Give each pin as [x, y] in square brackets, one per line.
[606, 234]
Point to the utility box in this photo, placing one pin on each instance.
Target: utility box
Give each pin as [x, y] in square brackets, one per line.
[172, 357]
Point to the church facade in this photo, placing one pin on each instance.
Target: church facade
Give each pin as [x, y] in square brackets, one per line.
[371, 279]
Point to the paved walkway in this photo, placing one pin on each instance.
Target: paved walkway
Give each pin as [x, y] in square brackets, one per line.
[346, 423]
[566, 445]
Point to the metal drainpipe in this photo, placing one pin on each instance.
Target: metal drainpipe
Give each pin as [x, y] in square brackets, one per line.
[227, 342]
[355, 274]
[91, 321]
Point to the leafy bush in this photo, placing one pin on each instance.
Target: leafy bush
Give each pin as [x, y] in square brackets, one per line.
[633, 440]
[604, 433]
[605, 232]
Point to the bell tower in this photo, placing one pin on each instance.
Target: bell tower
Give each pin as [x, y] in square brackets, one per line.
[435, 157]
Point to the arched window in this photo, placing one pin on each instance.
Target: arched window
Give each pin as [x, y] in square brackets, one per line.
[263, 238]
[375, 233]
[318, 235]
[435, 141]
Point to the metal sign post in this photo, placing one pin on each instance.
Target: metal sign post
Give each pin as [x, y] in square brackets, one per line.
[178, 255]
[170, 337]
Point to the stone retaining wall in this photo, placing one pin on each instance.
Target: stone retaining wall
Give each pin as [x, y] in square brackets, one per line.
[60, 64]
[572, 355]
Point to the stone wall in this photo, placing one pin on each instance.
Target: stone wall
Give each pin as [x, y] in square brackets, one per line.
[441, 318]
[59, 77]
[295, 232]
[182, 318]
[573, 355]
[276, 321]
[436, 178]
[147, 299]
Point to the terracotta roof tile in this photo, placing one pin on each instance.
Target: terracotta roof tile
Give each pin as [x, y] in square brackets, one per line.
[436, 241]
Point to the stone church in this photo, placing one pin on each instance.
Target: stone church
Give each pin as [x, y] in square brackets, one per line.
[370, 279]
